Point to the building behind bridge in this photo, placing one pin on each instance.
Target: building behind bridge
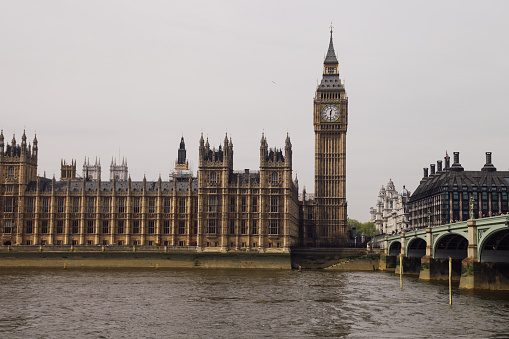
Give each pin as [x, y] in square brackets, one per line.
[444, 194]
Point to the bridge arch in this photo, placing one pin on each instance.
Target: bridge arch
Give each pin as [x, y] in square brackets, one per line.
[452, 245]
[416, 248]
[495, 246]
[394, 249]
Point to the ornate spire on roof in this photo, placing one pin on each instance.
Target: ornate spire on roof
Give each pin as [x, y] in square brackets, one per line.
[330, 58]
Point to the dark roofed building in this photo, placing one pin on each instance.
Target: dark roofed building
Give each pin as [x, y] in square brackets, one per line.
[444, 195]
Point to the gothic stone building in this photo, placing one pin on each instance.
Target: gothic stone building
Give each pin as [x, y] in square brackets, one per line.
[218, 210]
[444, 196]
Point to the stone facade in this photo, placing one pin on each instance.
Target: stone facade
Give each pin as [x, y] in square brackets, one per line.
[330, 122]
[391, 214]
[218, 210]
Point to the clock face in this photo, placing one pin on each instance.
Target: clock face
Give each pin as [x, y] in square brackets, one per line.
[330, 113]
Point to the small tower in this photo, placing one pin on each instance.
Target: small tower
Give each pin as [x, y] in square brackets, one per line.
[92, 172]
[181, 163]
[119, 172]
[67, 171]
[18, 162]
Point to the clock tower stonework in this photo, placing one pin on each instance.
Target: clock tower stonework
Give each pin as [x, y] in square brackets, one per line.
[330, 120]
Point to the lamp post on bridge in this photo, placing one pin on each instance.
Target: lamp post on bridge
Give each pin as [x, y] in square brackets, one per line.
[471, 207]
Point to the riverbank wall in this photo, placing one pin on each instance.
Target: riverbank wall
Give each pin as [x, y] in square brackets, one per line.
[69, 258]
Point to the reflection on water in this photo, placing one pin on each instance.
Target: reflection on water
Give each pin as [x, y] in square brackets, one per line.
[203, 303]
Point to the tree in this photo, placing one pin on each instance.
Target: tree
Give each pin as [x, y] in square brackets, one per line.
[368, 228]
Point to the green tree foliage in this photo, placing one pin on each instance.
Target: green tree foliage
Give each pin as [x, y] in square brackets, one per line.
[368, 228]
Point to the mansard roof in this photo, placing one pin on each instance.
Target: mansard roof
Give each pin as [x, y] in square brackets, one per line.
[463, 181]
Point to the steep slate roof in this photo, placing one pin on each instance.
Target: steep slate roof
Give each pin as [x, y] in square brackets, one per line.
[435, 183]
[245, 178]
[46, 185]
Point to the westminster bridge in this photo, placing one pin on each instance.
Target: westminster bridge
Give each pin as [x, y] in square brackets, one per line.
[479, 249]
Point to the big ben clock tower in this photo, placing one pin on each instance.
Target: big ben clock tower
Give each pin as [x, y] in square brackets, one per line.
[330, 120]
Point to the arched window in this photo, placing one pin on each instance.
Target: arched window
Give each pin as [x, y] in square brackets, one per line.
[11, 173]
[274, 178]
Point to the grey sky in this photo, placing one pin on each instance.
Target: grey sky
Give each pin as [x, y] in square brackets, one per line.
[93, 77]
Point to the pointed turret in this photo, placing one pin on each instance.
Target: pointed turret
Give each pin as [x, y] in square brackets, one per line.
[1, 143]
[330, 58]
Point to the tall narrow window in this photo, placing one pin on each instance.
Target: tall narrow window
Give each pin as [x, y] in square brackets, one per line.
[166, 227]
[44, 226]
[212, 204]
[213, 178]
[45, 205]
[121, 205]
[243, 204]
[60, 205]
[106, 205]
[91, 202]
[151, 227]
[136, 227]
[274, 226]
[136, 205]
[232, 205]
[75, 226]
[152, 205]
[232, 226]
[29, 228]
[182, 206]
[167, 206]
[254, 226]
[11, 173]
[60, 226]
[8, 226]
[274, 204]
[211, 226]
[255, 204]
[9, 205]
[182, 227]
[76, 205]
[30, 205]
[106, 227]
[243, 227]
[120, 227]
[90, 226]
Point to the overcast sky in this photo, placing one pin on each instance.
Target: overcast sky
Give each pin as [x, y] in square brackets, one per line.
[129, 78]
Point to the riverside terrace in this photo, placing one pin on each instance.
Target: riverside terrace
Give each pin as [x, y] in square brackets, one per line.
[479, 249]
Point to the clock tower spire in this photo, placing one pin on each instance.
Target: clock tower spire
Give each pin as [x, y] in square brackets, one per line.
[330, 120]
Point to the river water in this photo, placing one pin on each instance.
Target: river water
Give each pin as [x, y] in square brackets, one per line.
[206, 303]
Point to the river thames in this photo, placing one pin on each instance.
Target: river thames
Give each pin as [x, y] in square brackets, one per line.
[206, 303]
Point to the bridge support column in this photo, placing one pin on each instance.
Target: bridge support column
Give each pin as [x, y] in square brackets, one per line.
[425, 273]
[470, 268]
[387, 263]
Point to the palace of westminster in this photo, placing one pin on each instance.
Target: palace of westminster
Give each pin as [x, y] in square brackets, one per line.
[218, 210]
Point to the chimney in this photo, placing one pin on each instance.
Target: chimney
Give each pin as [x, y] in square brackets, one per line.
[432, 166]
[456, 166]
[439, 166]
[488, 167]
[425, 172]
